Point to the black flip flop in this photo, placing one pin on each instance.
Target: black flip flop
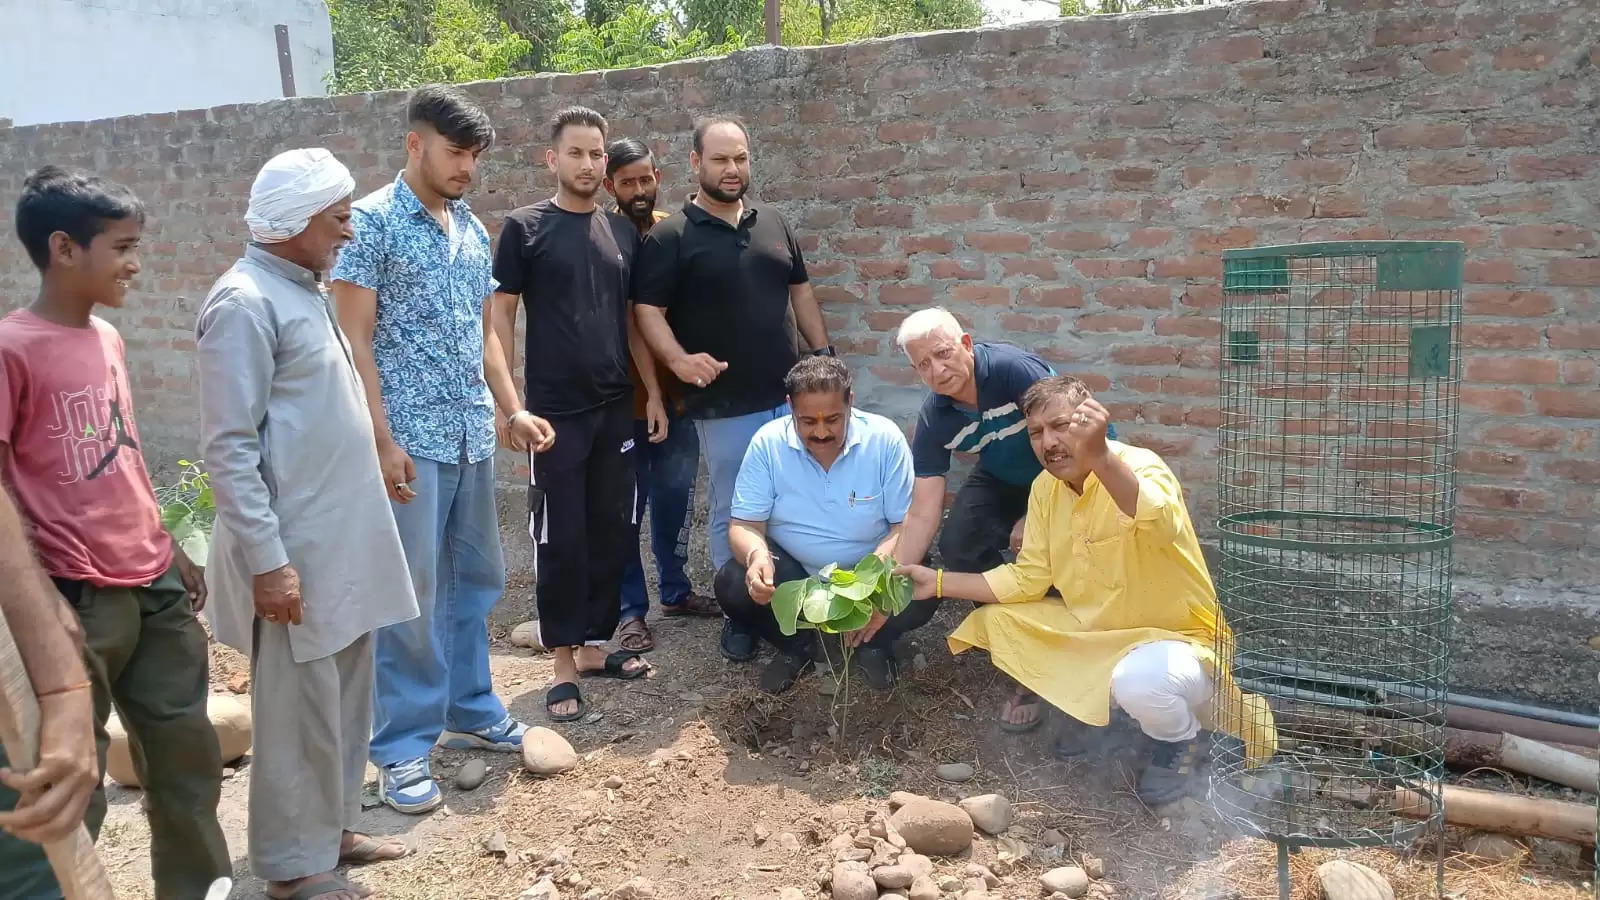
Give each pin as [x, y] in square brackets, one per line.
[562, 692]
[1026, 698]
[615, 664]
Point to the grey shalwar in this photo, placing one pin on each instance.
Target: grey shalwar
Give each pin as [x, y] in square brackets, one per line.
[287, 438]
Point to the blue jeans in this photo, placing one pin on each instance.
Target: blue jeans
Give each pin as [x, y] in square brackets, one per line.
[723, 441]
[433, 671]
[666, 475]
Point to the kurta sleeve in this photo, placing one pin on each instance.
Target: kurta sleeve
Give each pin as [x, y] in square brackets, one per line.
[1029, 577]
[1158, 514]
[234, 347]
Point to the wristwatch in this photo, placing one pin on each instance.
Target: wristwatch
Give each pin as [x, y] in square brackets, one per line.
[825, 351]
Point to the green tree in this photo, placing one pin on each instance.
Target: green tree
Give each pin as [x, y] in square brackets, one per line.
[812, 22]
[1107, 7]
[637, 36]
[382, 44]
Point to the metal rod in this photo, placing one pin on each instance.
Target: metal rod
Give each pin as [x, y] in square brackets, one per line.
[1284, 886]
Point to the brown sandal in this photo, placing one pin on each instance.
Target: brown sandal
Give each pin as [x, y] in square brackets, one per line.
[693, 605]
[634, 636]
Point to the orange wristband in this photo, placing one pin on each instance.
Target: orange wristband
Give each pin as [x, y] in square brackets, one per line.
[65, 690]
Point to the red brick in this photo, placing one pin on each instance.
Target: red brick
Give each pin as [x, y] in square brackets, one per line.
[1133, 295]
[856, 345]
[1514, 204]
[1024, 210]
[1103, 322]
[1112, 148]
[1339, 204]
[1535, 55]
[1496, 336]
[1140, 115]
[987, 294]
[1436, 206]
[1145, 355]
[825, 268]
[905, 294]
[1151, 238]
[1518, 134]
[1257, 206]
[926, 243]
[1112, 268]
[901, 375]
[1062, 297]
[1447, 62]
[838, 293]
[1574, 337]
[1491, 528]
[883, 269]
[1133, 178]
[1202, 296]
[1222, 239]
[918, 186]
[1518, 304]
[1487, 497]
[1236, 49]
[1002, 242]
[904, 132]
[1583, 471]
[1578, 272]
[1077, 240]
[1527, 437]
[1226, 176]
[970, 270]
[1375, 65]
[1553, 168]
[856, 244]
[1054, 181]
[1505, 401]
[1567, 404]
[1188, 326]
[1580, 371]
[953, 212]
[1546, 237]
[836, 190]
[1513, 370]
[884, 215]
[1491, 462]
[1458, 170]
[883, 320]
[1425, 30]
[1035, 324]
[1320, 171]
[1208, 266]
[1042, 269]
[1422, 136]
[1491, 271]
[1002, 184]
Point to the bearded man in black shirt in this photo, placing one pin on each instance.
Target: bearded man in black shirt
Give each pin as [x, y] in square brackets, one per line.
[570, 262]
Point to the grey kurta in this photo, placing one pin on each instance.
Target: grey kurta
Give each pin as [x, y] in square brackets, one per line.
[287, 438]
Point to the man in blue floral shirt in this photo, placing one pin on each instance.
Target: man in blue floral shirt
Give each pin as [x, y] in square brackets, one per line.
[411, 290]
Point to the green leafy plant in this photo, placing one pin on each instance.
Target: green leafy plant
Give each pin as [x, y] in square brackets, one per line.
[188, 510]
[835, 600]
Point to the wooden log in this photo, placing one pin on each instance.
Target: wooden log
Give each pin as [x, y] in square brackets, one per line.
[1505, 813]
[1530, 757]
[1344, 727]
[73, 859]
[1497, 723]
[1478, 749]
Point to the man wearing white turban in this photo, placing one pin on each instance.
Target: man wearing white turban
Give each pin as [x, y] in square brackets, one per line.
[305, 559]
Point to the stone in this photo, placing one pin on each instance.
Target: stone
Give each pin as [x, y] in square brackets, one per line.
[920, 866]
[613, 782]
[1095, 866]
[949, 884]
[1053, 838]
[974, 870]
[975, 894]
[879, 829]
[923, 888]
[839, 844]
[893, 877]
[891, 895]
[955, 772]
[1557, 854]
[788, 841]
[1052, 856]
[1341, 879]
[1495, 847]
[857, 854]
[1070, 880]
[544, 752]
[852, 881]
[790, 893]
[898, 799]
[543, 889]
[760, 833]
[975, 884]
[933, 827]
[635, 888]
[230, 719]
[990, 812]
[527, 635]
[471, 774]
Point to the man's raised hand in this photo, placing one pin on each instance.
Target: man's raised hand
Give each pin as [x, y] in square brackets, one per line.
[1086, 432]
[698, 369]
[924, 581]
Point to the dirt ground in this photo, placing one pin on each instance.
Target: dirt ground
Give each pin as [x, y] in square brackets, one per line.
[725, 793]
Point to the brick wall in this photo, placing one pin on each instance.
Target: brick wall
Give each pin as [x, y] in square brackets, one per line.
[1067, 185]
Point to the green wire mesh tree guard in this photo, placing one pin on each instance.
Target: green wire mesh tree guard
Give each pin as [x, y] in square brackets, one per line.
[1340, 382]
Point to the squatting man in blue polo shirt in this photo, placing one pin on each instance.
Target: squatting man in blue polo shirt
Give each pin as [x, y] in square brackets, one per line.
[825, 484]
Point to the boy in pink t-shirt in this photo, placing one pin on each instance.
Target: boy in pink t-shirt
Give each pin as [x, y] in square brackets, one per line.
[70, 452]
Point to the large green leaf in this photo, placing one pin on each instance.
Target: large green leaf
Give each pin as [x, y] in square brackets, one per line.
[841, 577]
[855, 590]
[840, 604]
[897, 597]
[786, 604]
[191, 537]
[870, 569]
[816, 601]
[856, 620]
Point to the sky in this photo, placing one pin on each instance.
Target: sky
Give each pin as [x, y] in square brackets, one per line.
[1007, 12]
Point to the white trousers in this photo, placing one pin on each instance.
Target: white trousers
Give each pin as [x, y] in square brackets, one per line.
[1162, 685]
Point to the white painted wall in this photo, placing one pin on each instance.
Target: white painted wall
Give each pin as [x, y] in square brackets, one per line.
[67, 60]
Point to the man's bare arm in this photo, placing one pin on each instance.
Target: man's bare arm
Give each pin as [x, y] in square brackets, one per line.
[502, 316]
[496, 366]
[358, 318]
[887, 547]
[808, 315]
[922, 519]
[47, 632]
[651, 322]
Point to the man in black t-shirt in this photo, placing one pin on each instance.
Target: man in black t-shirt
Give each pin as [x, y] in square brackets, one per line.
[720, 290]
[570, 264]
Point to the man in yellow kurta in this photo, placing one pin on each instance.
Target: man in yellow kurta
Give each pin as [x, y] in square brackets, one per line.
[1137, 616]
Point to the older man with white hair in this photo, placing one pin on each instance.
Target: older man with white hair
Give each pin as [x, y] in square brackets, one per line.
[975, 408]
[306, 560]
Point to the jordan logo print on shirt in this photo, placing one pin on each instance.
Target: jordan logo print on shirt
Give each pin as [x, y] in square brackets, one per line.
[119, 430]
[92, 428]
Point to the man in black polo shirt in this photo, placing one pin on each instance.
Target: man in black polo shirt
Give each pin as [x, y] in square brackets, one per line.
[570, 262]
[719, 291]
